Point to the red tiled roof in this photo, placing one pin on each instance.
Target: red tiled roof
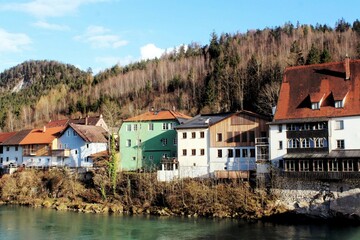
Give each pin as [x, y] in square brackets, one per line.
[158, 115]
[303, 85]
[57, 123]
[6, 135]
[39, 136]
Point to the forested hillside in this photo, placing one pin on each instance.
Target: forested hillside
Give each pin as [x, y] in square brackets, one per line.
[234, 71]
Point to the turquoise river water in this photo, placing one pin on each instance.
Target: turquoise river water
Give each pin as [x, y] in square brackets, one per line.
[29, 223]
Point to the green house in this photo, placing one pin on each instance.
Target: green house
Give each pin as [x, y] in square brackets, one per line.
[148, 138]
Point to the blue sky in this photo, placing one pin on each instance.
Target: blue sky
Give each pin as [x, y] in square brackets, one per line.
[102, 33]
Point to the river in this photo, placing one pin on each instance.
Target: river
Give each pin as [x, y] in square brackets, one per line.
[29, 223]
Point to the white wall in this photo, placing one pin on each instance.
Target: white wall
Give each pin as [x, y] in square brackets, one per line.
[193, 165]
[275, 136]
[350, 133]
[243, 163]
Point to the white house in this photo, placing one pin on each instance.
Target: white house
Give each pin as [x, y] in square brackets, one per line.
[219, 145]
[316, 131]
[10, 151]
[81, 141]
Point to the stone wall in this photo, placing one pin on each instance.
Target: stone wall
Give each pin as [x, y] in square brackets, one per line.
[324, 199]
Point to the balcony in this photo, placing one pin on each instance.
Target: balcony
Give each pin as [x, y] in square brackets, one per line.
[61, 152]
[322, 175]
[262, 141]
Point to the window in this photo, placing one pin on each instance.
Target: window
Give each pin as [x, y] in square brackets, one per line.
[184, 135]
[291, 127]
[244, 136]
[202, 152]
[193, 152]
[230, 153]
[339, 104]
[76, 151]
[237, 153]
[280, 128]
[290, 166]
[219, 137]
[244, 153]
[1, 160]
[170, 126]
[340, 144]
[280, 145]
[139, 142]
[333, 165]
[74, 133]
[319, 142]
[252, 152]
[305, 143]
[339, 125]
[135, 127]
[348, 165]
[318, 165]
[164, 141]
[7, 159]
[164, 126]
[68, 132]
[202, 135]
[315, 105]
[184, 152]
[134, 158]
[16, 148]
[219, 153]
[252, 136]
[175, 141]
[304, 166]
[7, 149]
[128, 142]
[128, 127]
[193, 135]
[151, 127]
[1, 149]
[87, 145]
[237, 137]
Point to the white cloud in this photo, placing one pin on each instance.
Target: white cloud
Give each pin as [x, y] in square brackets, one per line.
[50, 26]
[100, 37]
[150, 51]
[13, 42]
[47, 8]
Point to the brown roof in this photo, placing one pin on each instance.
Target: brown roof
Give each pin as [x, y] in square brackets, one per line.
[90, 133]
[39, 136]
[6, 135]
[16, 138]
[303, 85]
[64, 122]
[158, 115]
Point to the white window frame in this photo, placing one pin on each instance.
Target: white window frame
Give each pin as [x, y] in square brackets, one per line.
[339, 103]
[128, 142]
[151, 127]
[339, 124]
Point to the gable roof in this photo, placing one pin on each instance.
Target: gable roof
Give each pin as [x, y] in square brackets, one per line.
[6, 135]
[206, 120]
[158, 116]
[39, 136]
[323, 83]
[16, 138]
[64, 122]
[90, 133]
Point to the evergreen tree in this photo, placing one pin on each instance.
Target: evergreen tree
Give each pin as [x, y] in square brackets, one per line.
[313, 56]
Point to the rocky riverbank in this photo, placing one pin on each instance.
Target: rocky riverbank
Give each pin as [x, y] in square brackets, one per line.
[136, 193]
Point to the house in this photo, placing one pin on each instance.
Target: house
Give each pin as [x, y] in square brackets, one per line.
[315, 132]
[94, 121]
[77, 143]
[219, 145]
[30, 148]
[9, 154]
[38, 146]
[147, 138]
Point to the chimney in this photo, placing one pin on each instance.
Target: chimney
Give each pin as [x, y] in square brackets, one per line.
[86, 120]
[151, 109]
[44, 129]
[347, 68]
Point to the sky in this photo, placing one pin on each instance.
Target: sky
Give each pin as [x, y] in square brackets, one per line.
[99, 34]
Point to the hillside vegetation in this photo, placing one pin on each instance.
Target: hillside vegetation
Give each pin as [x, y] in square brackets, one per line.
[232, 72]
